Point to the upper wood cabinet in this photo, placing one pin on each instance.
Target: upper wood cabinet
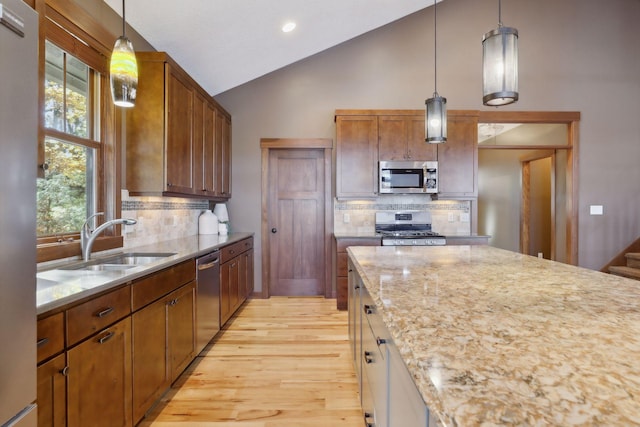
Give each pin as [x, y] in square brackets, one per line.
[458, 158]
[402, 138]
[356, 156]
[365, 136]
[172, 137]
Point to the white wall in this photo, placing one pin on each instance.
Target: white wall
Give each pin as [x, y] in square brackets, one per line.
[575, 55]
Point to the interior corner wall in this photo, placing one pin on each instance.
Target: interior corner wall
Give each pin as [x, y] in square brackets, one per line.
[575, 55]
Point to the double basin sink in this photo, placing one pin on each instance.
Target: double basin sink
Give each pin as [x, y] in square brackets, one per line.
[118, 262]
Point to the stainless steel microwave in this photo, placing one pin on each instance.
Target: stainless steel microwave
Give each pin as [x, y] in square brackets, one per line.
[406, 177]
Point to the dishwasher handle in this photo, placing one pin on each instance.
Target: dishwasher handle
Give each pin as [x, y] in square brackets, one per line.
[208, 265]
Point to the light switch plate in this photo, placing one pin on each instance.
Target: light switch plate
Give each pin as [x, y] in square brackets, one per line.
[596, 210]
[464, 217]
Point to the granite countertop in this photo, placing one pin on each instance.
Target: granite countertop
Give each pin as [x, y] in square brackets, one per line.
[60, 288]
[493, 337]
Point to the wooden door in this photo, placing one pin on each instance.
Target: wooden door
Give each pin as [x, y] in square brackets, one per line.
[223, 155]
[179, 155]
[99, 380]
[198, 144]
[296, 221]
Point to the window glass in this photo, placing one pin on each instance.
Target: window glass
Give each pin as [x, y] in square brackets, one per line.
[67, 193]
[65, 197]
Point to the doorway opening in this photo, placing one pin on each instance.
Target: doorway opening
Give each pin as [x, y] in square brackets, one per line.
[512, 207]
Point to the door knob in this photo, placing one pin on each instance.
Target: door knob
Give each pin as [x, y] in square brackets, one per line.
[274, 230]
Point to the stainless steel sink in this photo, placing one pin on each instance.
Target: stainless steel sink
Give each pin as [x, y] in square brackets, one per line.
[119, 262]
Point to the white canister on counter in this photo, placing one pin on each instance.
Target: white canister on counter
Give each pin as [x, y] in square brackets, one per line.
[223, 228]
[207, 223]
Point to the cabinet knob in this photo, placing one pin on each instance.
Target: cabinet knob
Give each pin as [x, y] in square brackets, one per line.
[368, 357]
[274, 230]
[380, 341]
[65, 371]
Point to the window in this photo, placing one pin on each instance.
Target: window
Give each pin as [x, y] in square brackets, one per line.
[78, 139]
[67, 193]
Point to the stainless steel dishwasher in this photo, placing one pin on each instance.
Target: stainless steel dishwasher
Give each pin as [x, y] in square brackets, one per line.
[208, 298]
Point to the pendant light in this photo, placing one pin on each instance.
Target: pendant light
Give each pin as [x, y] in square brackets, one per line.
[435, 122]
[123, 70]
[500, 64]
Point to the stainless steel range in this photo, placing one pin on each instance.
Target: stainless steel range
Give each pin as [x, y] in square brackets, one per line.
[407, 228]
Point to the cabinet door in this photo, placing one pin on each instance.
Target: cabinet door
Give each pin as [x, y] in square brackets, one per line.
[150, 368]
[392, 135]
[52, 393]
[99, 379]
[417, 148]
[248, 273]
[356, 156]
[402, 138]
[225, 307]
[181, 331]
[224, 124]
[179, 145]
[198, 144]
[211, 163]
[458, 158]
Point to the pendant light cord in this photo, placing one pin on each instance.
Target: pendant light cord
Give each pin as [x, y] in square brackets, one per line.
[435, 48]
[499, 13]
[123, 20]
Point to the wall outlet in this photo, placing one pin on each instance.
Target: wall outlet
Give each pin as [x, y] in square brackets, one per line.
[346, 218]
[452, 217]
[464, 217]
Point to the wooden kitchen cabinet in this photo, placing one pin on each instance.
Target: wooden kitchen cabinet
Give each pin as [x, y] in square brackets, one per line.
[52, 393]
[236, 276]
[458, 158]
[181, 328]
[356, 156]
[99, 379]
[171, 134]
[363, 137]
[341, 265]
[223, 147]
[162, 332]
[401, 137]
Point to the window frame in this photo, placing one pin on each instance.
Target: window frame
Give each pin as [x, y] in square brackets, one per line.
[70, 28]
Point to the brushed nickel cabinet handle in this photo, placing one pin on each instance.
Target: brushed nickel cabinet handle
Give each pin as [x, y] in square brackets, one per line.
[104, 312]
[106, 338]
[42, 342]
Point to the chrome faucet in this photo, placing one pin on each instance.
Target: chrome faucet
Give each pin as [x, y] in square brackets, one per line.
[87, 236]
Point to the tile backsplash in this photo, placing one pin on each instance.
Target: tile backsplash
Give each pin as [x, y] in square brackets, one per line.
[160, 218]
[358, 216]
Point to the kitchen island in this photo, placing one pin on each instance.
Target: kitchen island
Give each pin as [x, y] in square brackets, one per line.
[492, 337]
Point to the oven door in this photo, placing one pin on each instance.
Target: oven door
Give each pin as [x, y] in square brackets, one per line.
[408, 177]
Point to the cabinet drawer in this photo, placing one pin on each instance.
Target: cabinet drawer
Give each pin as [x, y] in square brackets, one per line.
[50, 336]
[97, 314]
[160, 284]
[229, 252]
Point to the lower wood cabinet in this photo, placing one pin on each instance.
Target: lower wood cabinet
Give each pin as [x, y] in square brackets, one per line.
[236, 277]
[52, 393]
[99, 379]
[342, 243]
[124, 348]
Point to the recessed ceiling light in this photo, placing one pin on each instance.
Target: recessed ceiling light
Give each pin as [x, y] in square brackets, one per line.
[288, 27]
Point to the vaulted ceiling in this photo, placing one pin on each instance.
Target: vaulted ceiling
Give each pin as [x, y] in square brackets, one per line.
[225, 43]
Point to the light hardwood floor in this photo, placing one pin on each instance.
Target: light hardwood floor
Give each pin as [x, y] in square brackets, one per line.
[281, 362]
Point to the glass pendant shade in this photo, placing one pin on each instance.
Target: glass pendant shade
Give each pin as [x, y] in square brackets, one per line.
[124, 73]
[436, 119]
[500, 66]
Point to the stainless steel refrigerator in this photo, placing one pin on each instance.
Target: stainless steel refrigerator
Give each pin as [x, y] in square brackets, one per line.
[18, 162]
